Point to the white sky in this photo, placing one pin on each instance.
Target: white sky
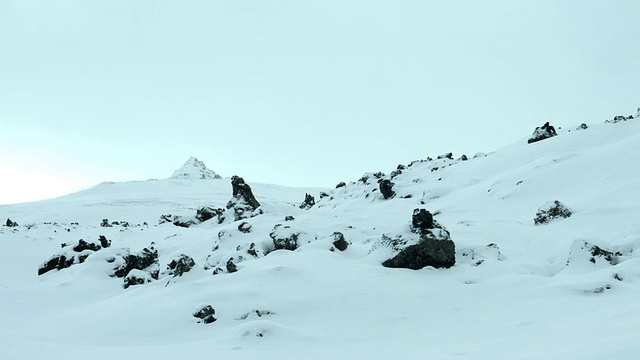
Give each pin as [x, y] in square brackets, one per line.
[304, 93]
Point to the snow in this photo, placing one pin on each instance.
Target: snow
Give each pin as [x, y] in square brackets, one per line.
[512, 294]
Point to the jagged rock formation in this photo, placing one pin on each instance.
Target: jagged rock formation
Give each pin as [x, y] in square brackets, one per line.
[544, 132]
[206, 315]
[194, 169]
[140, 268]
[583, 252]
[71, 254]
[339, 241]
[550, 211]
[308, 202]
[181, 265]
[243, 200]
[10, 223]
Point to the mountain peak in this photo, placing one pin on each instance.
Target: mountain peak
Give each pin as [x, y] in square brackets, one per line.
[194, 169]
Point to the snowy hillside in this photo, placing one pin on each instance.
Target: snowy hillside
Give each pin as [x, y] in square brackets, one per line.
[283, 286]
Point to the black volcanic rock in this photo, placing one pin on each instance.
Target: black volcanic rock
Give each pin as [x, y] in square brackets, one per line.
[339, 241]
[205, 213]
[10, 223]
[58, 262]
[206, 315]
[544, 132]
[141, 261]
[421, 221]
[181, 265]
[242, 192]
[386, 188]
[550, 211]
[308, 202]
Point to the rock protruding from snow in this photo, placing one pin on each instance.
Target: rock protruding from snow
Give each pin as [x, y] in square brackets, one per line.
[585, 253]
[288, 238]
[207, 212]
[339, 242]
[10, 223]
[435, 247]
[243, 200]
[71, 254]
[386, 189]
[206, 315]
[550, 211]
[544, 132]
[181, 265]
[308, 202]
[194, 169]
[139, 268]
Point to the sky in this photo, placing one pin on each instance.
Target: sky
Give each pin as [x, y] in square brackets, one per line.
[297, 93]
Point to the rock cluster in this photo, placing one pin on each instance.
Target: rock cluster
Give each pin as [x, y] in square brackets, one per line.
[71, 254]
[551, 211]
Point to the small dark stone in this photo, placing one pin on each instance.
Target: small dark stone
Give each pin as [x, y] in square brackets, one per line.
[289, 218]
[582, 126]
[10, 223]
[206, 315]
[323, 195]
[551, 211]
[544, 132]
[205, 213]
[339, 242]
[252, 250]
[105, 223]
[341, 184]
[446, 156]
[140, 261]
[386, 189]
[280, 242]
[464, 158]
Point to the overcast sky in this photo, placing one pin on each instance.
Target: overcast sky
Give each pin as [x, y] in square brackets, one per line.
[300, 93]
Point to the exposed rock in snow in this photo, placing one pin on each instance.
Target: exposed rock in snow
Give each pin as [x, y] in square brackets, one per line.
[181, 265]
[287, 238]
[194, 169]
[206, 315]
[544, 132]
[386, 189]
[71, 254]
[585, 253]
[339, 241]
[10, 223]
[308, 202]
[146, 261]
[550, 211]
[243, 201]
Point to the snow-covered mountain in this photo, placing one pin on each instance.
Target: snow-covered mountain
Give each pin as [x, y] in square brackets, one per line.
[194, 169]
[531, 280]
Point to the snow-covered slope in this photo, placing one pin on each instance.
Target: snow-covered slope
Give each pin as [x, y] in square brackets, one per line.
[517, 291]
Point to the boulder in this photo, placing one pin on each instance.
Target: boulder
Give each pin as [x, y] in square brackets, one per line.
[58, 262]
[544, 132]
[104, 242]
[10, 223]
[308, 202]
[138, 277]
[386, 189]
[550, 211]
[83, 245]
[421, 221]
[284, 240]
[244, 227]
[206, 315]
[147, 259]
[339, 241]
[181, 265]
[591, 255]
[341, 184]
[242, 192]
[206, 213]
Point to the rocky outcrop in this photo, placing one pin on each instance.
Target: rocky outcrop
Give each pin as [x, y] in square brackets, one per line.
[551, 211]
[206, 315]
[72, 254]
[544, 132]
[207, 212]
[10, 223]
[434, 248]
[585, 253]
[181, 265]
[308, 202]
[243, 201]
[143, 267]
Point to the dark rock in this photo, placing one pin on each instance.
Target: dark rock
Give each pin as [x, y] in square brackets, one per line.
[464, 158]
[323, 195]
[83, 245]
[182, 265]
[430, 251]
[138, 277]
[168, 218]
[252, 250]
[446, 156]
[10, 223]
[550, 211]
[231, 266]
[286, 241]
[289, 218]
[184, 222]
[206, 315]
[308, 202]
[104, 242]
[544, 132]
[339, 242]
[421, 221]
[105, 223]
[206, 213]
[582, 126]
[141, 261]
[341, 184]
[386, 189]
[244, 227]
[242, 192]
[58, 262]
